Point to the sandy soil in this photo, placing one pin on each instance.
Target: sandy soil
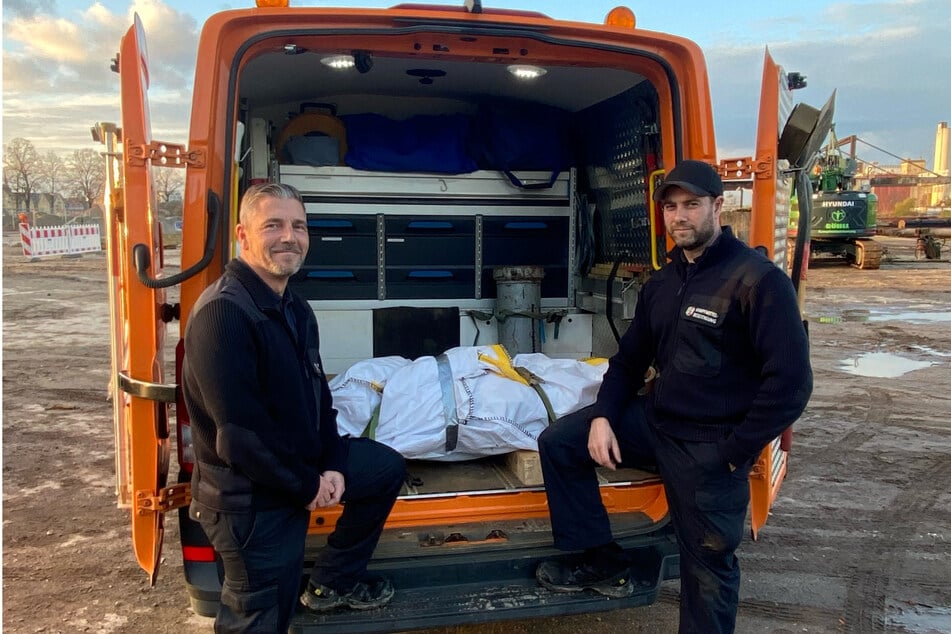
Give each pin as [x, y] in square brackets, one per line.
[859, 540]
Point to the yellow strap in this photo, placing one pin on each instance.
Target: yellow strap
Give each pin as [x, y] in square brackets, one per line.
[503, 363]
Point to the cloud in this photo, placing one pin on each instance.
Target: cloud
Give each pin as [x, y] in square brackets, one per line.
[28, 8]
[886, 61]
[57, 79]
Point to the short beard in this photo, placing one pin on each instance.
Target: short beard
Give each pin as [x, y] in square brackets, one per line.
[279, 270]
[702, 236]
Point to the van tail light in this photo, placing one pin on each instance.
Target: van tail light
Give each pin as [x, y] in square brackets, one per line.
[198, 553]
[186, 451]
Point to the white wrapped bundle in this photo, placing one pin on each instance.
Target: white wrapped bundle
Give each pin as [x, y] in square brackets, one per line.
[468, 403]
[569, 384]
[488, 413]
[357, 392]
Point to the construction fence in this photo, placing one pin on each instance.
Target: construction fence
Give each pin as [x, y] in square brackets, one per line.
[63, 240]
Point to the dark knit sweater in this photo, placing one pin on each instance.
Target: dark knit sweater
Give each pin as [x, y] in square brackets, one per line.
[726, 337]
[262, 421]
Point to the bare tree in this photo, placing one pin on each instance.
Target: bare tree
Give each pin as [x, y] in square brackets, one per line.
[21, 172]
[87, 176]
[52, 177]
[168, 183]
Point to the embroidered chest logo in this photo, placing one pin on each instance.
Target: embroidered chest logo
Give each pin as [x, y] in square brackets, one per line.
[705, 315]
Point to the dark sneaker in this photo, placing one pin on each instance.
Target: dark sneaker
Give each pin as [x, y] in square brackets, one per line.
[565, 577]
[364, 595]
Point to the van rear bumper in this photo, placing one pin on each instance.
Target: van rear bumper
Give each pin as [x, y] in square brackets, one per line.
[462, 584]
[473, 589]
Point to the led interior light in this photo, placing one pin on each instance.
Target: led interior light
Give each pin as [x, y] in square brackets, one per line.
[525, 71]
[339, 61]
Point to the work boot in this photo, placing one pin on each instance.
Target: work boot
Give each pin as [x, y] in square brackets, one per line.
[363, 595]
[611, 580]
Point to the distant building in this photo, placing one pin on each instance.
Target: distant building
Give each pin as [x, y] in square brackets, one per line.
[895, 184]
[942, 148]
[45, 209]
[75, 206]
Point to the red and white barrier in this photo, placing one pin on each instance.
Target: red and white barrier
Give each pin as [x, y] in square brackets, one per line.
[26, 238]
[65, 240]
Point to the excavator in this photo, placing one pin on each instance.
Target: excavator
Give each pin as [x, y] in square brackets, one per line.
[843, 217]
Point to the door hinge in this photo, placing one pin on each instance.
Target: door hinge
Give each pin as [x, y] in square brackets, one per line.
[167, 499]
[747, 167]
[164, 154]
[765, 167]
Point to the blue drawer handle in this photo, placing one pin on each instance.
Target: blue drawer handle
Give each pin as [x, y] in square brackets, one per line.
[332, 275]
[430, 275]
[330, 224]
[526, 225]
[429, 224]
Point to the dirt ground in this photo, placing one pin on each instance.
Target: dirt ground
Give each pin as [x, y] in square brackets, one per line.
[859, 540]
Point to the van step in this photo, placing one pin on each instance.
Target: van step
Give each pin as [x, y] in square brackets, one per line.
[484, 596]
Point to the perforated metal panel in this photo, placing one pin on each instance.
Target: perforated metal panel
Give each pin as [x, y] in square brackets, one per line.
[618, 137]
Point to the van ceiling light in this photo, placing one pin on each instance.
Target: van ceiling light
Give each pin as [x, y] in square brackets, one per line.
[526, 71]
[339, 61]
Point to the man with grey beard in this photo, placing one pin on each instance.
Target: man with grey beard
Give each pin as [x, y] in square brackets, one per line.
[264, 430]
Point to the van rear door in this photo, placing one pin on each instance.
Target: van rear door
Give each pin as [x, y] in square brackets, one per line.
[140, 399]
[768, 225]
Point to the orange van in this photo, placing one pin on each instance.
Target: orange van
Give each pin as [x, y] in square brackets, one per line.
[404, 253]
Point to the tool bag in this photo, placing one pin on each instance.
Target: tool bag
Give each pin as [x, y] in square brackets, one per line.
[423, 143]
[517, 136]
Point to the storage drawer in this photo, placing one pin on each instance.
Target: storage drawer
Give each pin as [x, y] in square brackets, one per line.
[406, 282]
[337, 283]
[525, 241]
[430, 225]
[430, 241]
[342, 241]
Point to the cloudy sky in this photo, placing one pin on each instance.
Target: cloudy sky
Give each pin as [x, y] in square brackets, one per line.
[889, 60]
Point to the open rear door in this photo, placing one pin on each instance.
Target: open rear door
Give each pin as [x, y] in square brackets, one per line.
[787, 141]
[138, 330]
[772, 187]
[768, 222]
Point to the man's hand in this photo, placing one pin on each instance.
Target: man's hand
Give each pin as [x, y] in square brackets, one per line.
[330, 492]
[602, 444]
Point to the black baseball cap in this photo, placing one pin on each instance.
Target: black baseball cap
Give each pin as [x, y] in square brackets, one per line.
[696, 177]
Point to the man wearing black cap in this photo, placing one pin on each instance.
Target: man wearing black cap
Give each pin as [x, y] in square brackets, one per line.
[720, 325]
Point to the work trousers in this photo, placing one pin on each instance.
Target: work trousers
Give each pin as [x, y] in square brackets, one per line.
[707, 505]
[262, 552]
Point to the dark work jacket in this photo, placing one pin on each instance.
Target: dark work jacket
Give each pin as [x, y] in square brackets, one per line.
[726, 337]
[263, 426]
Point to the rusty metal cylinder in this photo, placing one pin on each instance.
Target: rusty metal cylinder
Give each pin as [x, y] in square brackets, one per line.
[519, 297]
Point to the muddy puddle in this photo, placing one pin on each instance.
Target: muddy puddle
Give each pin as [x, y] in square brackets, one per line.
[883, 314]
[882, 365]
